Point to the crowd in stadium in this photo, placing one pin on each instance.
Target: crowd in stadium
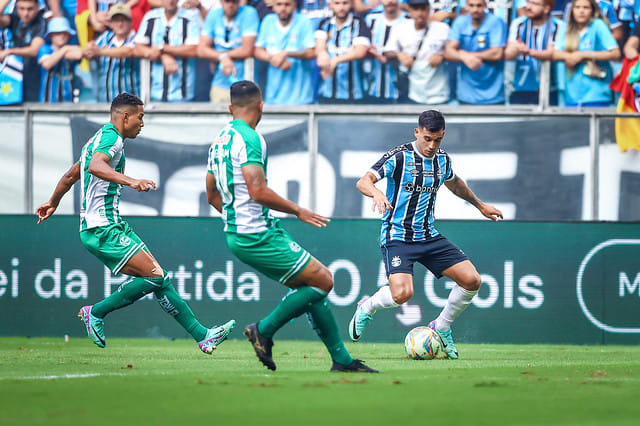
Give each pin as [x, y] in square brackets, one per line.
[325, 51]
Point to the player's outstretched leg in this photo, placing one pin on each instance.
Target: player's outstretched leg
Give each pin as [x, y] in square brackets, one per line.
[399, 290]
[325, 325]
[294, 304]
[460, 297]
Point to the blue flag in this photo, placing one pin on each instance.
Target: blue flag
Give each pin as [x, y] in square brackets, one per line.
[11, 80]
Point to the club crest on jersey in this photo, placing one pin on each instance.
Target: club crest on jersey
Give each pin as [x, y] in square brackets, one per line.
[125, 241]
[482, 41]
[101, 212]
[295, 247]
[396, 261]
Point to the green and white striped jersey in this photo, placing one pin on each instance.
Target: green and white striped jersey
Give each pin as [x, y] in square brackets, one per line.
[237, 145]
[100, 198]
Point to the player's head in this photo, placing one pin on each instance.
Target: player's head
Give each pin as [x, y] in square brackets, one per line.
[476, 9]
[27, 10]
[341, 8]
[127, 114]
[429, 132]
[536, 9]
[230, 8]
[246, 101]
[284, 9]
[419, 12]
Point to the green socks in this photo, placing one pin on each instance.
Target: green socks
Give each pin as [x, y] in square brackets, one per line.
[167, 296]
[128, 292]
[294, 304]
[172, 303]
[324, 323]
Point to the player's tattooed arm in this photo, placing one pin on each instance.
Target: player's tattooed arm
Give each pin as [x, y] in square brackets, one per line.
[259, 192]
[213, 195]
[366, 185]
[460, 189]
[99, 167]
[64, 185]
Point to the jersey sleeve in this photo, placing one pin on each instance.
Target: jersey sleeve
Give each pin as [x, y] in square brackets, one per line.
[251, 151]
[384, 166]
[110, 143]
[513, 30]
[307, 39]
[193, 33]
[263, 34]
[142, 37]
[210, 160]
[209, 27]
[44, 51]
[605, 38]
[454, 34]
[497, 36]
[364, 34]
[448, 172]
[250, 22]
[393, 44]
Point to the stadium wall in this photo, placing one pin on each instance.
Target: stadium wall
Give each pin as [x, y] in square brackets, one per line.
[543, 282]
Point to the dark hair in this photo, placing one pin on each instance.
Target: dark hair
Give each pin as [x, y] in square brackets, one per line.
[431, 120]
[244, 93]
[125, 99]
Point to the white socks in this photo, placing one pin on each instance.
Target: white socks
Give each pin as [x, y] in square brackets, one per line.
[382, 299]
[459, 299]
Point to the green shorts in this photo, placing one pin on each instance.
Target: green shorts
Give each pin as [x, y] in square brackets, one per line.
[113, 244]
[272, 252]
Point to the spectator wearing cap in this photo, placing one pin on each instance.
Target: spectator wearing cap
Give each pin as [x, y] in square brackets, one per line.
[418, 45]
[342, 41]
[168, 37]
[117, 70]
[228, 38]
[26, 31]
[477, 41]
[58, 61]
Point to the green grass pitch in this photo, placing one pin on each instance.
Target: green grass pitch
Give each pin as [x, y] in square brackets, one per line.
[158, 382]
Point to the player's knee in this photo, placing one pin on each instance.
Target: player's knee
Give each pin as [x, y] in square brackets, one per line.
[402, 294]
[472, 282]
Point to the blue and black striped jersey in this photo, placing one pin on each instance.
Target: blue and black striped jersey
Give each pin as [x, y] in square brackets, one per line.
[412, 183]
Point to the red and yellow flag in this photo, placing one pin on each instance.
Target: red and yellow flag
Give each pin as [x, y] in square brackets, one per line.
[627, 129]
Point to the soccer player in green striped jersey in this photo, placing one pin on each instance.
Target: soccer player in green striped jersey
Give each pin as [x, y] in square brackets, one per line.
[108, 237]
[237, 187]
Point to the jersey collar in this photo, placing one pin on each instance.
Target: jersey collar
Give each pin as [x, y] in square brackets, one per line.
[415, 148]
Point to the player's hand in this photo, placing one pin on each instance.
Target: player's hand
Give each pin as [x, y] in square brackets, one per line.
[307, 216]
[228, 68]
[45, 211]
[143, 185]
[380, 203]
[323, 60]
[405, 60]
[286, 65]
[153, 54]
[573, 59]
[490, 212]
[278, 59]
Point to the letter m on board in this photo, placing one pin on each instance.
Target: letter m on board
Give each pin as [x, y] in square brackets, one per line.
[627, 285]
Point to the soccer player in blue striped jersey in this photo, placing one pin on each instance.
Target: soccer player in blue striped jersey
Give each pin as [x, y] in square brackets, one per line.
[100, 171]
[342, 41]
[415, 171]
[118, 71]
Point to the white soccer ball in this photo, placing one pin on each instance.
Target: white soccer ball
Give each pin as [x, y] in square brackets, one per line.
[422, 343]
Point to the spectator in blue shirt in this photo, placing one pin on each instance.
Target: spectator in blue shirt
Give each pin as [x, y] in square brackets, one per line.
[531, 40]
[58, 61]
[169, 38]
[609, 16]
[117, 70]
[228, 38]
[342, 41]
[287, 44]
[477, 41]
[586, 49]
[25, 28]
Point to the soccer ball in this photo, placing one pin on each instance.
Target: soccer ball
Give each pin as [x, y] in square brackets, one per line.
[422, 343]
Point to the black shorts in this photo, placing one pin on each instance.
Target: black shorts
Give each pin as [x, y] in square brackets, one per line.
[436, 254]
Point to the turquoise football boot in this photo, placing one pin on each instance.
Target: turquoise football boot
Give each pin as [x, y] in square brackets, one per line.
[215, 336]
[359, 322]
[95, 326]
[447, 341]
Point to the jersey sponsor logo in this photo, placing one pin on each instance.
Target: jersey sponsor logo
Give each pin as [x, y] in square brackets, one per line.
[411, 187]
[222, 140]
[428, 173]
[396, 261]
[295, 247]
[395, 150]
[125, 241]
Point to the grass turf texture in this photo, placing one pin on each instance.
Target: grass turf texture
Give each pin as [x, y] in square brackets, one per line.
[144, 381]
